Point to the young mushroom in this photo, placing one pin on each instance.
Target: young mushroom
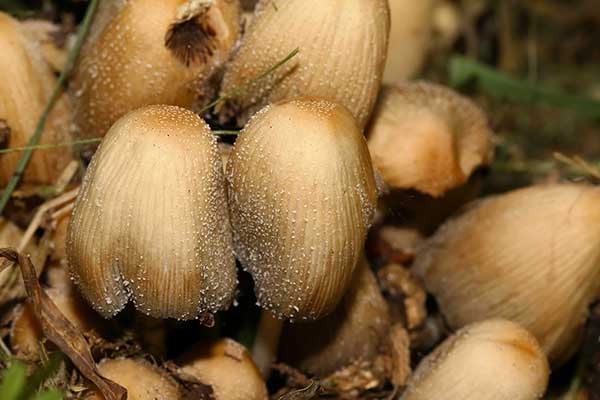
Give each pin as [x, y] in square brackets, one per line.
[144, 52]
[410, 38]
[427, 138]
[150, 222]
[226, 366]
[354, 331]
[142, 380]
[426, 142]
[490, 360]
[301, 198]
[531, 256]
[26, 86]
[342, 43]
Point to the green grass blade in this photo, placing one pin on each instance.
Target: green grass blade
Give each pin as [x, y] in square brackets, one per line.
[464, 72]
[13, 382]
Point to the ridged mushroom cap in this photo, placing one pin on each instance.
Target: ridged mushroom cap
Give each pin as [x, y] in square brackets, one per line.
[301, 198]
[531, 256]
[150, 222]
[343, 46]
[143, 52]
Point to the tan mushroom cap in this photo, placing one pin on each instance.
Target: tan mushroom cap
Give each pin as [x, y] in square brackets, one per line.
[26, 84]
[301, 198]
[226, 366]
[150, 223]
[490, 360]
[343, 46]
[354, 331]
[410, 38]
[139, 53]
[428, 138]
[530, 255]
[142, 380]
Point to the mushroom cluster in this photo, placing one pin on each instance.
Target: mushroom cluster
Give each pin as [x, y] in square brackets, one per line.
[327, 157]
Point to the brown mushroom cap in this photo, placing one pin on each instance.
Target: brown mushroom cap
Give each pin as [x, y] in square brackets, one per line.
[343, 45]
[143, 52]
[490, 360]
[142, 380]
[226, 366]
[531, 256]
[150, 222]
[26, 84]
[427, 138]
[301, 198]
[355, 330]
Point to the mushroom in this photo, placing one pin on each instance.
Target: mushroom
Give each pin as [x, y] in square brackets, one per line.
[427, 138]
[531, 256]
[342, 45]
[427, 141]
[354, 331]
[301, 198]
[142, 380]
[490, 360]
[410, 37]
[226, 366]
[26, 86]
[144, 52]
[150, 222]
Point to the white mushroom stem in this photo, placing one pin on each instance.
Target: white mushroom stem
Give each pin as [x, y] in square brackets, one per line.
[264, 350]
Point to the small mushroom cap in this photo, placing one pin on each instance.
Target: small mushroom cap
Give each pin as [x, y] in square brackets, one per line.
[142, 380]
[150, 222]
[26, 84]
[410, 38]
[301, 198]
[139, 53]
[26, 333]
[531, 256]
[490, 360]
[354, 331]
[343, 45]
[226, 366]
[427, 138]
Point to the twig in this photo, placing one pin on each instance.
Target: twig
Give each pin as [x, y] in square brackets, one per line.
[579, 164]
[237, 90]
[59, 330]
[35, 138]
[64, 178]
[41, 212]
[5, 349]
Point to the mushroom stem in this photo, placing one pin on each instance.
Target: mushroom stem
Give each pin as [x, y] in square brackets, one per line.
[266, 342]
